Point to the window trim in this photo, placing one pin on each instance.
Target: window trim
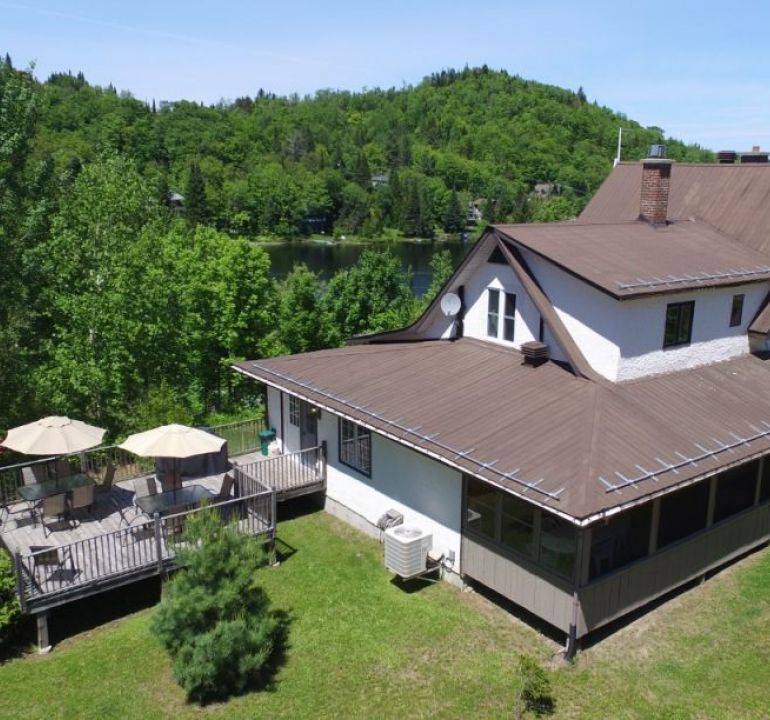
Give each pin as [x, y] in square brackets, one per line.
[736, 313]
[679, 342]
[359, 432]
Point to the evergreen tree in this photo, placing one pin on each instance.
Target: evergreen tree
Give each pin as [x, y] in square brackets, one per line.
[195, 202]
[454, 219]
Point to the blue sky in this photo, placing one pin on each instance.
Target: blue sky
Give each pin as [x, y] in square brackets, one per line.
[700, 70]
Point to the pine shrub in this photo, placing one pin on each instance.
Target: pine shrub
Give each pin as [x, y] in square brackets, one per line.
[214, 619]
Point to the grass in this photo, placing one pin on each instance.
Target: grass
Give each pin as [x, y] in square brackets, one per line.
[362, 646]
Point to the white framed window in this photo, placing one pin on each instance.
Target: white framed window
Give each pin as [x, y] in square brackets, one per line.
[493, 312]
[294, 410]
[355, 447]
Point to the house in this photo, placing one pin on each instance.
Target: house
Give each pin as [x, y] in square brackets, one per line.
[590, 430]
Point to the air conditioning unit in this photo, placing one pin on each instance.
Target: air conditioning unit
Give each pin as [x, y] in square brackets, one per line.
[406, 550]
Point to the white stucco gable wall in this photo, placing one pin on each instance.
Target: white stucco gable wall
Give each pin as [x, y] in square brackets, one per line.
[499, 277]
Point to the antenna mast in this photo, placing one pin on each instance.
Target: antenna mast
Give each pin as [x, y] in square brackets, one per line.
[620, 140]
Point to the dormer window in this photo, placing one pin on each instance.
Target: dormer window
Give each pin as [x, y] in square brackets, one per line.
[678, 324]
[736, 311]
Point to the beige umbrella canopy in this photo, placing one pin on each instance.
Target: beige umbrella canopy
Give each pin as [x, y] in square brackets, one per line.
[173, 441]
[54, 435]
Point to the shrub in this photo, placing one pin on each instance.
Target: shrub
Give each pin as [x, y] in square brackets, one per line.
[214, 619]
[10, 612]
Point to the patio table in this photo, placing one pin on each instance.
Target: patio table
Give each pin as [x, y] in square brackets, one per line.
[172, 500]
[39, 491]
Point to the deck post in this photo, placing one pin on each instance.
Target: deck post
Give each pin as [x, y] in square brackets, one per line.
[19, 569]
[158, 543]
[43, 645]
[323, 461]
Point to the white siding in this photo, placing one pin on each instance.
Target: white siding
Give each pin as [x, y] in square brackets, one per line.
[428, 493]
[502, 278]
[624, 339]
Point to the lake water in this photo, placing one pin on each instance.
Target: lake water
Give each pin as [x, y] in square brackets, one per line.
[327, 259]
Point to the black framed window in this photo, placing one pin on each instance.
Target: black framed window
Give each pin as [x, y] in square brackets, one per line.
[678, 324]
[736, 311]
[736, 489]
[355, 447]
[509, 316]
[493, 312]
[294, 410]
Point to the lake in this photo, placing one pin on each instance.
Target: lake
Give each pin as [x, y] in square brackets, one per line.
[327, 259]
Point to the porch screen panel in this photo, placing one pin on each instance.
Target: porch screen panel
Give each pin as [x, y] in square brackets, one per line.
[735, 490]
[557, 545]
[621, 540]
[481, 508]
[683, 513]
[517, 529]
[764, 490]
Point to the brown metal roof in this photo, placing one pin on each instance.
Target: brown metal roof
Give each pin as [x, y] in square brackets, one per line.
[578, 447]
[635, 258]
[734, 199]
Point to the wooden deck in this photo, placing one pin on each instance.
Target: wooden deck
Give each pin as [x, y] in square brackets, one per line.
[112, 544]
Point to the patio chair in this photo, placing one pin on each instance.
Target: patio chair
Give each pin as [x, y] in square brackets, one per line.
[50, 566]
[62, 468]
[32, 475]
[52, 506]
[169, 481]
[109, 477]
[143, 487]
[226, 491]
[82, 499]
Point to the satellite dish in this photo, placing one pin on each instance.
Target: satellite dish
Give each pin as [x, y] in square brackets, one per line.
[450, 304]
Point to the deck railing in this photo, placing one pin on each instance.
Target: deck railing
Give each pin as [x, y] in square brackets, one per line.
[288, 472]
[50, 575]
[242, 437]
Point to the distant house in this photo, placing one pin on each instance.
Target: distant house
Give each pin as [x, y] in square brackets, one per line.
[591, 430]
[175, 201]
[379, 180]
[474, 214]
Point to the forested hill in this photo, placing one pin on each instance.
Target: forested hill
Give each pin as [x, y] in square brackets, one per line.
[402, 161]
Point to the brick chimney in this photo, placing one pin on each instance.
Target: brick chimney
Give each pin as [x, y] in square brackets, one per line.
[656, 178]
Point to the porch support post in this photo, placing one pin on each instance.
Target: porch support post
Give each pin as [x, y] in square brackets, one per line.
[43, 644]
[19, 568]
[158, 543]
[581, 567]
[712, 500]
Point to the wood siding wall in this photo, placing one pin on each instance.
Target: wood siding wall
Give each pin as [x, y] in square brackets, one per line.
[614, 595]
[544, 595]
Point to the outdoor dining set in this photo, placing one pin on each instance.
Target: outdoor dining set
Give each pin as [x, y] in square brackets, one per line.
[55, 495]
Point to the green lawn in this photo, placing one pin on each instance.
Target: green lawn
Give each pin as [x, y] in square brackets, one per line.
[362, 647]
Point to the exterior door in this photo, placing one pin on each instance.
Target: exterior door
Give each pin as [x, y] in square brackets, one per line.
[308, 425]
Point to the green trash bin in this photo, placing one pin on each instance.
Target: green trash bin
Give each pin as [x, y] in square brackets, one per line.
[265, 438]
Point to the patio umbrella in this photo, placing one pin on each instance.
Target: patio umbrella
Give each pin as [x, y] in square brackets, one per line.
[54, 435]
[174, 441]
